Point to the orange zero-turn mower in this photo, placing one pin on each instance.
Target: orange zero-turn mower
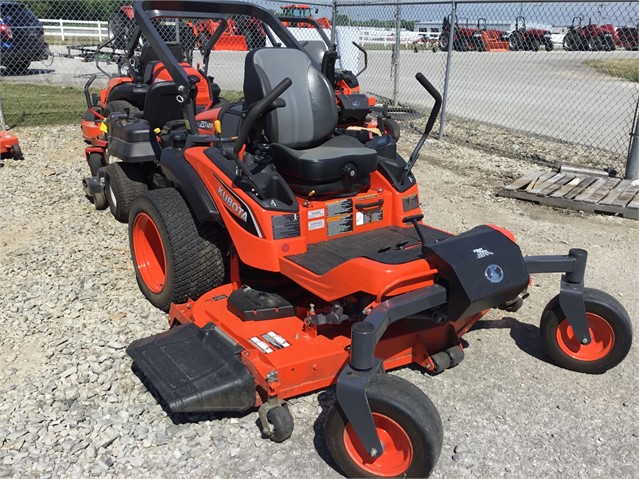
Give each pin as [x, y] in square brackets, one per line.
[314, 269]
[114, 184]
[10, 146]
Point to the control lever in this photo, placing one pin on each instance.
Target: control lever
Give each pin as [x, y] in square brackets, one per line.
[429, 124]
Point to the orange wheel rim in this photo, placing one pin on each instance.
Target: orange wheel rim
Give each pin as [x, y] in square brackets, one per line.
[148, 252]
[601, 334]
[398, 448]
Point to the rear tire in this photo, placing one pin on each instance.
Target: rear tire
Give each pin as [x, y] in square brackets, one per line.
[95, 161]
[123, 182]
[549, 45]
[610, 331]
[17, 153]
[409, 426]
[175, 258]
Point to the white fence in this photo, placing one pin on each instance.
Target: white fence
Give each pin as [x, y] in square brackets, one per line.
[65, 29]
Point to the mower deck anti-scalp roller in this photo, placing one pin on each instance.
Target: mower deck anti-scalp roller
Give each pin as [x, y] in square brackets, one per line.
[292, 258]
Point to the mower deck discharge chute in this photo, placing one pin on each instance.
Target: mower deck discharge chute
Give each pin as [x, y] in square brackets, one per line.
[312, 268]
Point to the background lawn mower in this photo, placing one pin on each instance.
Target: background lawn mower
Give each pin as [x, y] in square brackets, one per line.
[330, 278]
[128, 99]
[9, 144]
[357, 111]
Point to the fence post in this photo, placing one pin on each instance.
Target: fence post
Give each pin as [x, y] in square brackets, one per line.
[3, 125]
[632, 166]
[449, 54]
[99, 31]
[395, 55]
[334, 23]
[62, 29]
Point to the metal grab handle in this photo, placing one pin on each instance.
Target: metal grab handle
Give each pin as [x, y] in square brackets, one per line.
[365, 206]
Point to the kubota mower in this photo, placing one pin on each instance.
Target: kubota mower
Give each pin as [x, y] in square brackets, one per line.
[529, 39]
[126, 99]
[589, 37]
[115, 184]
[291, 259]
[9, 144]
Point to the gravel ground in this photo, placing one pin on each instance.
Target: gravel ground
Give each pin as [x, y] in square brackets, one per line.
[69, 306]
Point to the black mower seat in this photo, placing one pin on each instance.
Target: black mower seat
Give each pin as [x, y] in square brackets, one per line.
[340, 158]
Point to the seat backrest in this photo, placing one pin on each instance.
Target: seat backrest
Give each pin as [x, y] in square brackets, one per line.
[148, 55]
[316, 50]
[203, 97]
[310, 114]
[161, 105]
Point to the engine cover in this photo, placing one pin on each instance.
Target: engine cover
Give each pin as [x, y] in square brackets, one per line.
[481, 269]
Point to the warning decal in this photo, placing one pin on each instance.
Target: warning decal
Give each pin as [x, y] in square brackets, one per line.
[340, 217]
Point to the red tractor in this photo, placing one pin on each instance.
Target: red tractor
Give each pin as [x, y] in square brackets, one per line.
[529, 39]
[463, 37]
[629, 37]
[590, 37]
[303, 11]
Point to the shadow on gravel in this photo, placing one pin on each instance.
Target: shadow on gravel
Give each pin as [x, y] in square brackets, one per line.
[325, 399]
[526, 336]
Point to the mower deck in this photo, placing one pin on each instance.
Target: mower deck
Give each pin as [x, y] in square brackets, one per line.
[311, 357]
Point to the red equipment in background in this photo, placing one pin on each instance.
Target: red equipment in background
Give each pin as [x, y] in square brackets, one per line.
[302, 11]
[588, 37]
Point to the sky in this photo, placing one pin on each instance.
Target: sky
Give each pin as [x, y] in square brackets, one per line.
[556, 14]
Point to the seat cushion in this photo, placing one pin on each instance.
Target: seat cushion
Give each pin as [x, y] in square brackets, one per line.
[340, 158]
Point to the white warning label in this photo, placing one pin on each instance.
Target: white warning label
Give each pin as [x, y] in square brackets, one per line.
[265, 348]
[316, 225]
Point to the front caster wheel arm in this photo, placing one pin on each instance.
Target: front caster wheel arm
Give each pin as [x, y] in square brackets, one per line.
[352, 381]
[571, 293]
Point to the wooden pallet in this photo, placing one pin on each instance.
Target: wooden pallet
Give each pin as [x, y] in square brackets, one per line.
[593, 194]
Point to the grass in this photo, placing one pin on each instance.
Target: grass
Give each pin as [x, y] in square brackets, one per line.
[29, 104]
[626, 68]
[37, 104]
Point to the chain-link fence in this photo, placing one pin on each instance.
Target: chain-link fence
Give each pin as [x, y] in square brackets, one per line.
[558, 80]
[565, 72]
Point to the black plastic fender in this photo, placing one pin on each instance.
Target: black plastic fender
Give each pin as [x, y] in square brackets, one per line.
[186, 180]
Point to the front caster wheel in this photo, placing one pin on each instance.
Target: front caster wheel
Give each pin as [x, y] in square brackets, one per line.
[408, 426]
[610, 330]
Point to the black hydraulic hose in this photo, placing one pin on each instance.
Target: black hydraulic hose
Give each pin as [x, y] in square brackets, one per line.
[258, 109]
